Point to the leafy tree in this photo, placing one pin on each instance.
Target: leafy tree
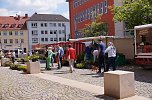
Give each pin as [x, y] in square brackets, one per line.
[95, 28]
[133, 12]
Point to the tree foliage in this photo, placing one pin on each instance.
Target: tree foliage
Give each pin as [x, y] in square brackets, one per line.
[95, 28]
[134, 12]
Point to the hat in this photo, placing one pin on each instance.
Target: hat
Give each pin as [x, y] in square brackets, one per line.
[50, 48]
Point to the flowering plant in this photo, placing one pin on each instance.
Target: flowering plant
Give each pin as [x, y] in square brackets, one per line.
[34, 58]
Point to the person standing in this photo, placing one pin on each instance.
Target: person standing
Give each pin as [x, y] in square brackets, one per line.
[13, 56]
[2, 56]
[88, 51]
[101, 55]
[71, 56]
[60, 55]
[111, 50]
[50, 54]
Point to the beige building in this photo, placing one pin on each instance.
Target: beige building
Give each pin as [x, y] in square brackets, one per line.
[14, 33]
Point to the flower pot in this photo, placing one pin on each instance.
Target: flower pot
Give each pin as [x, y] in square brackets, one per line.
[33, 67]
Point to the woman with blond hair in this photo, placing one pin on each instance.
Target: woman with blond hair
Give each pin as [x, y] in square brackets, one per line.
[111, 50]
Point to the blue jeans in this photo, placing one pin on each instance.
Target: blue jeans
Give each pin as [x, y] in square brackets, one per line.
[111, 63]
[60, 63]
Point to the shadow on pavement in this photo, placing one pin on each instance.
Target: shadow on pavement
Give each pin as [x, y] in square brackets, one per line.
[104, 97]
[62, 72]
[94, 75]
[142, 75]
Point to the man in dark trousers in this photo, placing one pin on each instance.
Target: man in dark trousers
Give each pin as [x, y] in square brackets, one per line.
[101, 55]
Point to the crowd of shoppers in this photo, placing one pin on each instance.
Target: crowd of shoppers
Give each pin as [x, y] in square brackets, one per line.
[102, 56]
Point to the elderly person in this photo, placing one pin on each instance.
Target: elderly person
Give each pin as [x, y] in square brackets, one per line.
[48, 58]
[111, 50]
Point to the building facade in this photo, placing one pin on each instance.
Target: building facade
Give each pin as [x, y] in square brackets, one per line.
[13, 33]
[83, 12]
[47, 29]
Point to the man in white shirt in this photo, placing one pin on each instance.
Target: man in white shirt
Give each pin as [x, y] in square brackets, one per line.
[111, 50]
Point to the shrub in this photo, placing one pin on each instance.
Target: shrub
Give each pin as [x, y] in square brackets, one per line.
[80, 65]
[34, 57]
[22, 68]
[80, 57]
[65, 63]
[7, 63]
[14, 67]
[42, 57]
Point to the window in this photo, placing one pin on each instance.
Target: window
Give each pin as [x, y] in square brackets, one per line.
[46, 39]
[51, 32]
[59, 31]
[105, 6]
[6, 25]
[34, 32]
[54, 24]
[51, 39]
[55, 39]
[42, 32]
[22, 40]
[13, 25]
[46, 32]
[5, 40]
[51, 24]
[101, 8]
[5, 33]
[16, 33]
[55, 31]
[34, 25]
[60, 39]
[59, 24]
[42, 39]
[63, 24]
[20, 25]
[16, 40]
[63, 31]
[10, 33]
[21, 32]
[34, 40]
[41, 24]
[45, 24]
[11, 40]
[63, 39]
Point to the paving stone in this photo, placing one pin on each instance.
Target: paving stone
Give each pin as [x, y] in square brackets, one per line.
[143, 78]
[26, 87]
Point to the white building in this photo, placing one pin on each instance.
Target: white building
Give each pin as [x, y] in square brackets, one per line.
[47, 29]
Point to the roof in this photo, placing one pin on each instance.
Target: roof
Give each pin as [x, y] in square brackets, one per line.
[143, 26]
[13, 23]
[48, 17]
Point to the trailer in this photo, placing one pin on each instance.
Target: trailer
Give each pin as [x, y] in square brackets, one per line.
[143, 45]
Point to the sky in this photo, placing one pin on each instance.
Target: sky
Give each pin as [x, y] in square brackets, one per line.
[22, 7]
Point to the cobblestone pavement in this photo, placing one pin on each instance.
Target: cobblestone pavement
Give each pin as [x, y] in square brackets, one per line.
[143, 78]
[15, 85]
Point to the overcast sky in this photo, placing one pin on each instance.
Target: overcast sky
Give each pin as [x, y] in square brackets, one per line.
[20, 7]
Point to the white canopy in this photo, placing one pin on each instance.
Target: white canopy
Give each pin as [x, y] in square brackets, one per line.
[90, 38]
[143, 26]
